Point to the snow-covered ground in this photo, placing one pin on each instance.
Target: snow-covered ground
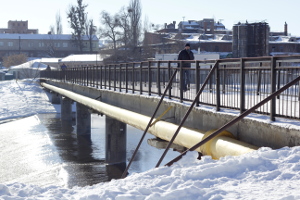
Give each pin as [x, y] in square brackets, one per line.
[263, 174]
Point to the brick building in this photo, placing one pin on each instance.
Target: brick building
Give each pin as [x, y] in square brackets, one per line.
[18, 27]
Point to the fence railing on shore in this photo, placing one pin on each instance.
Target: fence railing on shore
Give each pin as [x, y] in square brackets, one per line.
[238, 83]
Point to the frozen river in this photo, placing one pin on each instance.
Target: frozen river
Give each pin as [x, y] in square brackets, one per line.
[45, 152]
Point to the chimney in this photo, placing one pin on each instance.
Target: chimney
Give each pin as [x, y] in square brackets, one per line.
[285, 29]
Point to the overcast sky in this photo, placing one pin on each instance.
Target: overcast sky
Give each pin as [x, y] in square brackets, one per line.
[41, 13]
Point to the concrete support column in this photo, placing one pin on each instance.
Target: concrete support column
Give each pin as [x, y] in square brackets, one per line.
[55, 98]
[66, 110]
[115, 141]
[2, 76]
[83, 120]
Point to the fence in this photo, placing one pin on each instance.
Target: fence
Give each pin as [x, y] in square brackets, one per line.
[236, 84]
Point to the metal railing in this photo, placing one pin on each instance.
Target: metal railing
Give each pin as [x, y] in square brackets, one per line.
[236, 84]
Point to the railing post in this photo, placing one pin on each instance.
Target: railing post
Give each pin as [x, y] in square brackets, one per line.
[141, 78]
[158, 79]
[100, 76]
[169, 77]
[109, 78]
[149, 78]
[224, 80]
[210, 81]
[278, 79]
[126, 77]
[197, 80]
[273, 88]
[242, 85]
[218, 91]
[115, 77]
[259, 80]
[105, 78]
[86, 76]
[132, 78]
[181, 81]
[120, 78]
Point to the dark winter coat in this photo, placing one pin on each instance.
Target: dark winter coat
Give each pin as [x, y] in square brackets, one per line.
[186, 55]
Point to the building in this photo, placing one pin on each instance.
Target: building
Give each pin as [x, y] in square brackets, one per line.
[20, 27]
[250, 40]
[44, 45]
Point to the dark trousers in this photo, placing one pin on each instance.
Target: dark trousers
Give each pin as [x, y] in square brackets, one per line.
[185, 79]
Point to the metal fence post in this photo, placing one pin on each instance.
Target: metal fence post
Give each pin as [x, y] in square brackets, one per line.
[181, 81]
[273, 88]
[278, 79]
[115, 76]
[132, 78]
[197, 81]
[120, 78]
[100, 76]
[242, 85]
[218, 91]
[141, 78]
[109, 78]
[126, 77]
[149, 77]
[158, 79]
[169, 77]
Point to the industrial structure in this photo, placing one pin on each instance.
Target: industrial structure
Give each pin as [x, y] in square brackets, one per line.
[207, 35]
[250, 40]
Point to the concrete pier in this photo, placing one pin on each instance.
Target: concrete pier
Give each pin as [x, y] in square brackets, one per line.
[115, 141]
[55, 98]
[83, 120]
[66, 110]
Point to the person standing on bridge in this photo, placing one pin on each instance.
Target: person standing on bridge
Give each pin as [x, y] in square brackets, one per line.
[186, 54]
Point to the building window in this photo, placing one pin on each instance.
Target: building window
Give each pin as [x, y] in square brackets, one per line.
[217, 49]
[30, 44]
[57, 44]
[1, 44]
[281, 48]
[65, 44]
[10, 44]
[41, 44]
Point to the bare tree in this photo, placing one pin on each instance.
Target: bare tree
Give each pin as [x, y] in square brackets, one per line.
[52, 30]
[59, 29]
[135, 12]
[14, 60]
[77, 19]
[111, 28]
[124, 25]
[90, 30]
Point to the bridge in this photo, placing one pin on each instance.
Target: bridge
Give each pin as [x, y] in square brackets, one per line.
[221, 93]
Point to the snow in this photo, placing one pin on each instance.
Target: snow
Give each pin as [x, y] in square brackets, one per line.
[82, 57]
[262, 174]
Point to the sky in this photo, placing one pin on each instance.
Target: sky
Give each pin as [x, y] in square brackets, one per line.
[41, 13]
[262, 174]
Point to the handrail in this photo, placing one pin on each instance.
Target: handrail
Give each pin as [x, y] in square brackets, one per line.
[235, 120]
[146, 79]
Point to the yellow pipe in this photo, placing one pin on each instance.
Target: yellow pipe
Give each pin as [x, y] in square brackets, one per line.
[220, 146]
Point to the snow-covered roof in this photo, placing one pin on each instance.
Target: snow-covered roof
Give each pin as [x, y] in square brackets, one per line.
[191, 23]
[81, 57]
[32, 64]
